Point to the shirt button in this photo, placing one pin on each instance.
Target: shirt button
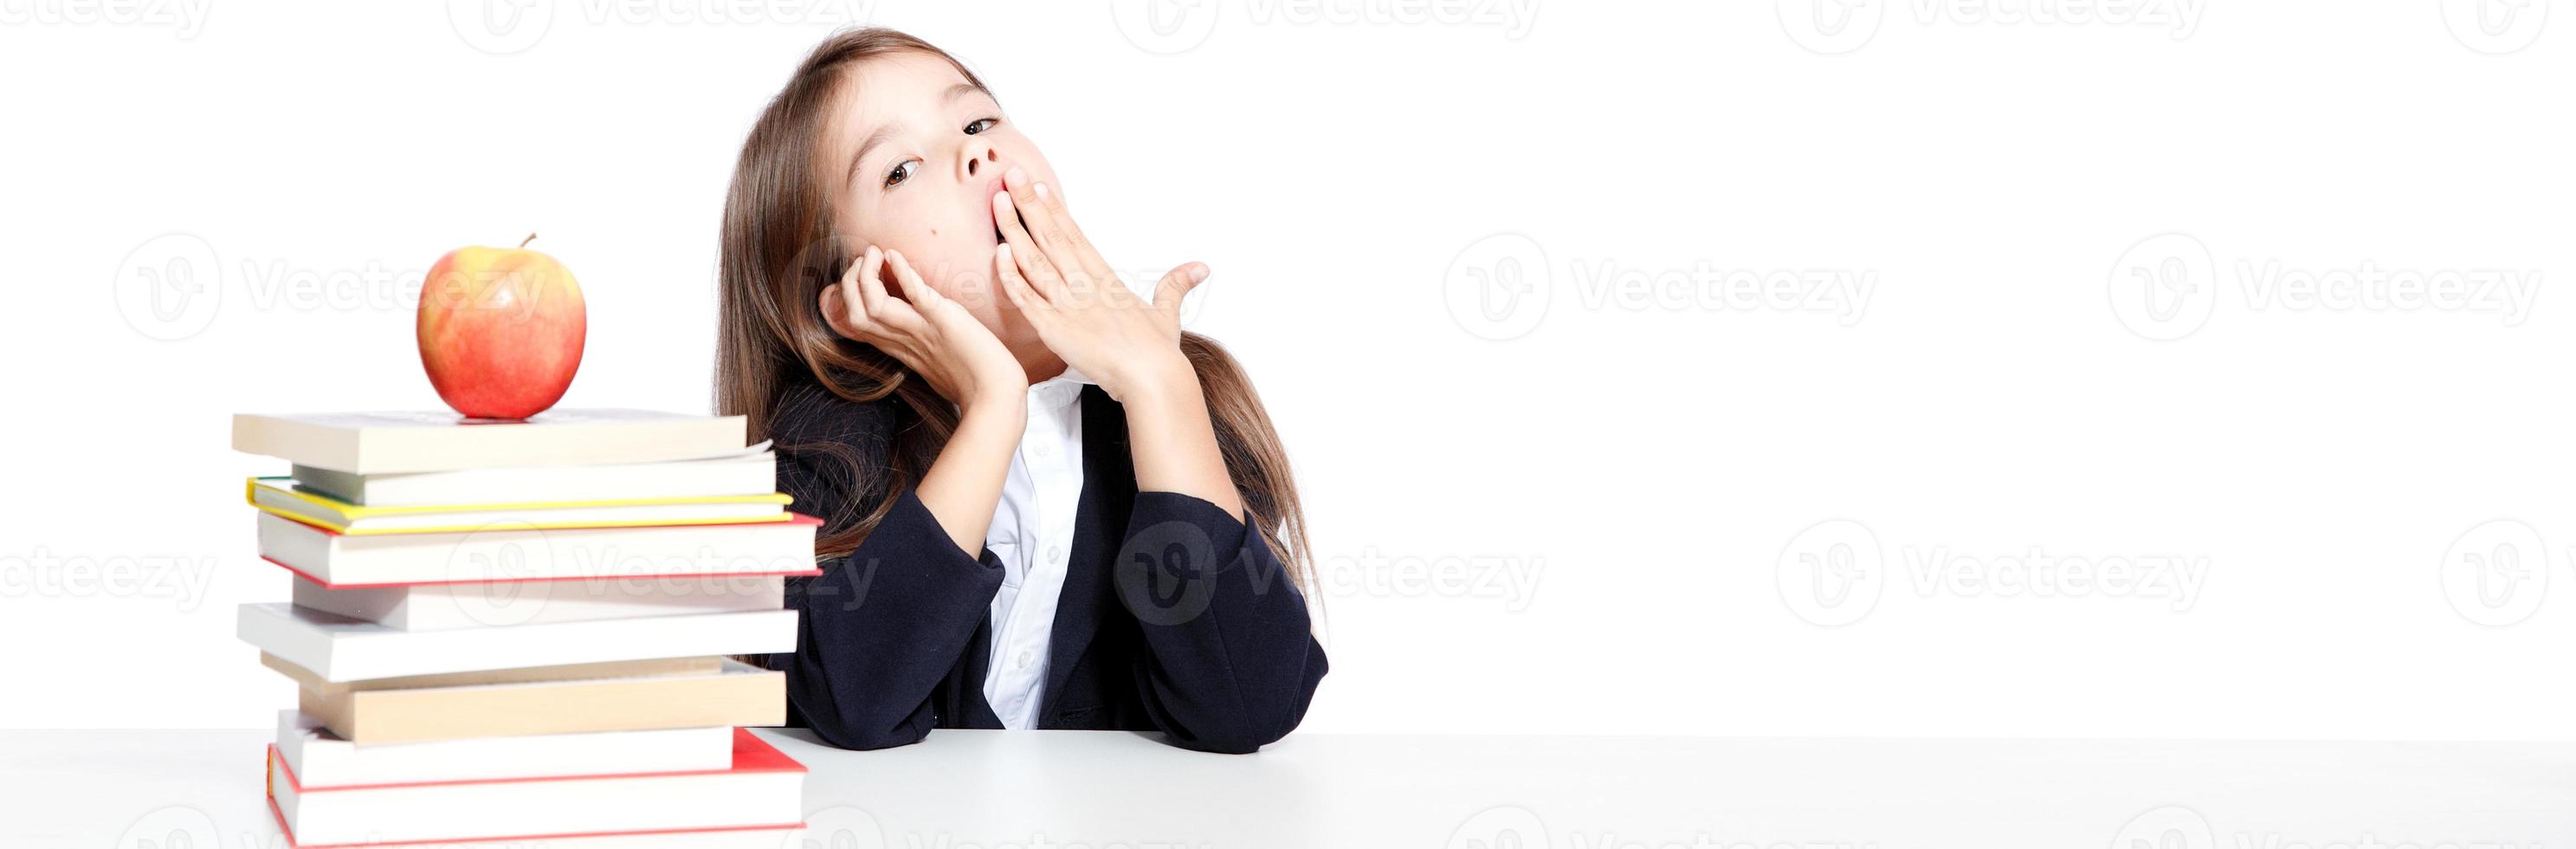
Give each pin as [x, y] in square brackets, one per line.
[1043, 450]
[1055, 552]
[1024, 660]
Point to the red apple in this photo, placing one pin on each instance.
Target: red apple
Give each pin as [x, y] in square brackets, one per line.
[500, 330]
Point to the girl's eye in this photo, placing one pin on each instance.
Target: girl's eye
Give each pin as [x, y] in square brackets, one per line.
[980, 125]
[902, 171]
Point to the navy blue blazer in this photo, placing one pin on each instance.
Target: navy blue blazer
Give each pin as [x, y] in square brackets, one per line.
[1175, 616]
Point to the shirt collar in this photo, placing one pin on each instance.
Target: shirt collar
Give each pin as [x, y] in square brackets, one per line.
[1061, 389]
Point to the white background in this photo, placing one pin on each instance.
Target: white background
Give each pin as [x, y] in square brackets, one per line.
[1655, 463]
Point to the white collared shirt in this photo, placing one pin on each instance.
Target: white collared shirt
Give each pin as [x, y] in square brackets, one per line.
[1032, 534]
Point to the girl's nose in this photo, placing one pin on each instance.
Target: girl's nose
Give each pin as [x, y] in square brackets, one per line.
[979, 159]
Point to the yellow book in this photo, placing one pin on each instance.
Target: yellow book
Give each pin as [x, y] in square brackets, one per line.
[282, 497]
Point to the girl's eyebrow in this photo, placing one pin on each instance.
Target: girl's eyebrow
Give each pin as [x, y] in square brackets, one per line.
[874, 139]
[883, 130]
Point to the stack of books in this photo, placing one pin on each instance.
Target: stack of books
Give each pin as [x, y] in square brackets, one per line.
[521, 631]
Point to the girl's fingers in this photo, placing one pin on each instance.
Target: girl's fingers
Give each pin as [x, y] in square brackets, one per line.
[862, 285]
[1025, 251]
[1177, 285]
[885, 310]
[913, 289]
[1054, 229]
[842, 310]
[1015, 286]
[836, 312]
[936, 310]
[854, 308]
[1054, 202]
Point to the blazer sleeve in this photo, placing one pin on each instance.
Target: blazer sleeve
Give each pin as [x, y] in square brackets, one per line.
[1230, 660]
[883, 625]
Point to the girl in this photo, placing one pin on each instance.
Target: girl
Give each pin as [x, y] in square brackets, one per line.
[1044, 505]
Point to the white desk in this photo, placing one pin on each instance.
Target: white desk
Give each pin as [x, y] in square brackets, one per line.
[965, 789]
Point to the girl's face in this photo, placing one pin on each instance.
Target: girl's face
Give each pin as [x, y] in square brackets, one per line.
[912, 154]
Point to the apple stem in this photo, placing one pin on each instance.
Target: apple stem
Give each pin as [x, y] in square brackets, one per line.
[524, 242]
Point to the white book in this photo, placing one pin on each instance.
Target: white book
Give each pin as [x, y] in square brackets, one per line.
[752, 472]
[373, 443]
[517, 554]
[761, 789]
[337, 648]
[489, 604]
[320, 759]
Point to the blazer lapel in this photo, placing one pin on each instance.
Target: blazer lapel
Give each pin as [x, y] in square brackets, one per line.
[1108, 496]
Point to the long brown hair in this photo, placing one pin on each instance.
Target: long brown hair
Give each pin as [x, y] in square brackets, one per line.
[779, 251]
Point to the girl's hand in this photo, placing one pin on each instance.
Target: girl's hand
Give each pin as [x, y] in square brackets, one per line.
[933, 335]
[1077, 304]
